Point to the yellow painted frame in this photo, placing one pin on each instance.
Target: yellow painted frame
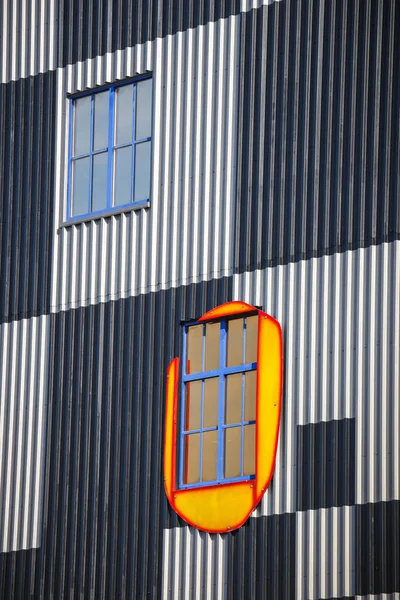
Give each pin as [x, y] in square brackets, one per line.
[225, 507]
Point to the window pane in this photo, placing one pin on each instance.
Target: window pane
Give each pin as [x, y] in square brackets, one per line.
[194, 349]
[250, 379]
[192, 466]
[124, 110]
[251, 339]
[210, 455]
[210, 415]
[212, 346]
[235, 342]
[123, 176]
[100, 126]
[193, 405]
[142, 171]
[233, 400]
[249, 450]
[80, 195]
[232, 452]
[82, 126]
[143, 109]
[99, 181]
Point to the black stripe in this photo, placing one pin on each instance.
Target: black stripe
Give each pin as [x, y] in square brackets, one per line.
[27, 144]
[262, 559]
[300, 194]
[326, 468]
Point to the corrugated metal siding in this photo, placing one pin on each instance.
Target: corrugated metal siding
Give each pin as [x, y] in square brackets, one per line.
[319, 134]
[104, 502]
[27, 38]
[187, 234]
[24, 364]
[340, 316]
[27, 128]
[341, 331]
[86, 31]
[205, 559]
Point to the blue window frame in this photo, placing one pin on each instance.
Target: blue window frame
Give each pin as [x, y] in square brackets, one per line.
[109, 166]
[218, 402]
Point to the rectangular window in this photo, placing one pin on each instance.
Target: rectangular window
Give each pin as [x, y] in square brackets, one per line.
[218, 406]
[110, 149]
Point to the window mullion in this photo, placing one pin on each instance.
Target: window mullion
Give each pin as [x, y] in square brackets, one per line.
[133, 144]
[91, 154]
[221, 402]
[71, 135]
[111, 126]
[182, 440]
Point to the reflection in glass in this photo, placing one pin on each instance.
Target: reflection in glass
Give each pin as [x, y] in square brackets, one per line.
[99, 181]
[210, 455]
[123, 175]
[250, 379]
[142, 171]
[100, 125]
[235, 342]
[143, 109]
[233, 401]
[249, 450]
[80, 195]
[192, 466]
[212, 346]
[193, 405]
[232, 452]
[124, 110]
[210, 415]
[82, 126]
[251, 339]
[195, 349]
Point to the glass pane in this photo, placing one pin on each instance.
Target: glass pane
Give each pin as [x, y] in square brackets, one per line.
[232, 452]
[99, 181]
[80, 195]
[212, 346]
[249, 450]
[235, 343]
[123, 176]
[210, 455]
[233, 401]
[193, 405]
[192, 466]
[82, 126]
[210, 415]
[142, 171]
[143, 109]
[250, 380]
[100, 127]
[251, 339]
[124, 110]
[194, 349]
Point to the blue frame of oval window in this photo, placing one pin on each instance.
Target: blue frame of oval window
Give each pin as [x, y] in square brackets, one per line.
[221, 373]
[109, 210]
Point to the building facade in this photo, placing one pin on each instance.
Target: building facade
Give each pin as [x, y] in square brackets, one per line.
[275, 180]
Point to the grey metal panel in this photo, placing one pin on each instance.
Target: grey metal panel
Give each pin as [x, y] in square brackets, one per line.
[319, 132]
[24, 369]
[27, 38]
[187, 233]
[27, 128]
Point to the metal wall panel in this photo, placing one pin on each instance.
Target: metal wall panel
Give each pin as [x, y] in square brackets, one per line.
[27, 127]
[319, 134]
[27, 38]
[24, 364]
[187, 233]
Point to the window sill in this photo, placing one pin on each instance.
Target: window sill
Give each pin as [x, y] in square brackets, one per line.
[102, 215]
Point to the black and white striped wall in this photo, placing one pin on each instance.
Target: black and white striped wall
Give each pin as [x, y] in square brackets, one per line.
[275, 180]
